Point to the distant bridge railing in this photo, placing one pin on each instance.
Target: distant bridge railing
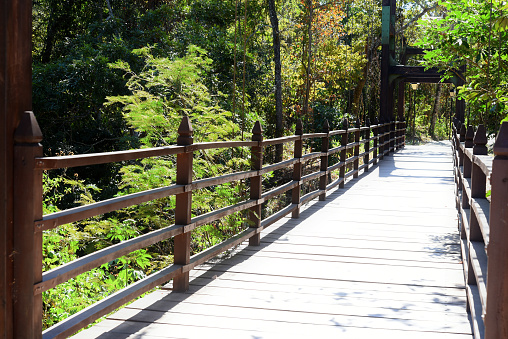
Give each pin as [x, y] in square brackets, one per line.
[376, 141]
[483, 226]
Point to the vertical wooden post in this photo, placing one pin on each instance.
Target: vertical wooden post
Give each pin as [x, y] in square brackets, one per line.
[297, 169]
[382, 138]
[462, 133]
[356, 149]
[392, 136]
[496, 315]
[367, 146]
[467, 164]
[16, 98]
[343, 142]
[256, 188]
[456, 173]
[376, 141]
[480, 141]
[27, 254]
[478, 182]
[404, 127]
[325, 143]
[462, 138]
[183, 204]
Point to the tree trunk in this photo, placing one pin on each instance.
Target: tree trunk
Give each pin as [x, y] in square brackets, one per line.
[435, 110]
[309, 59]
[361, 84]
[274, 21]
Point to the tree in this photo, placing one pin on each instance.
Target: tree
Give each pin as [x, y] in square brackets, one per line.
[274, 21]
[471, 36]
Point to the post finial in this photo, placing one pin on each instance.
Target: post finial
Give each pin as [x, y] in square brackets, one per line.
[469, 137]
[367, 122]
[299, 127]
[376, 121]
[501, 144]
[357, 123]
[326, 126]
[462, 133]
[345, 124]
[480, 141]
[28, 131]
[185, 132]
[257, 132]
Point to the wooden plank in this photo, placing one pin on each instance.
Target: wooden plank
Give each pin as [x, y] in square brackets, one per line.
[346, 271]
[65, 272]
[302, 283]
[252, 318]
[123, 329]
[53, 220]
[426, 295]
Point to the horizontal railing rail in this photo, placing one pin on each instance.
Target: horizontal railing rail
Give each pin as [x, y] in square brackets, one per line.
[483, 226]
[377, 141]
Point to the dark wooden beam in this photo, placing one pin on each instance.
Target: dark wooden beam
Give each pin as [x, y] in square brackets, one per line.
[414, 71]
[428, 80]
[16, 97]
[414, 51]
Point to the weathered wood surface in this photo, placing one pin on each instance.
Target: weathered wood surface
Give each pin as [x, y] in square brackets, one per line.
[379, 258]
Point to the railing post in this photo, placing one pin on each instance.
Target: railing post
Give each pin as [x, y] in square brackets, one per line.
[343, 154]
[403, 132]
[367, 146]
[392, 136]
[325, 143]
[462, 133]
[462, 138]
[478, 181]
[183, 204]
[297, 169]
[357, 149]
[496, 315]
[382, 138]
[467, 164]
[27, 254]
[256, 188]
[456, 170]
[376, 141]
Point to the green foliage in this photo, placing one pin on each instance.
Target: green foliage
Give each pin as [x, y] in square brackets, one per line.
[164, 91]
[472, 34]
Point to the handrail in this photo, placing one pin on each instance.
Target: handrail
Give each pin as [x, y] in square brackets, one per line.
[482, 226]
[386, 138]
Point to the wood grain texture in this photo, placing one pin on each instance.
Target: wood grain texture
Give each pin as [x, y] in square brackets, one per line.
[379, 258]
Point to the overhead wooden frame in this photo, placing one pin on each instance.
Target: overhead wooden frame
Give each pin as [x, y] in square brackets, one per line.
[393, 72]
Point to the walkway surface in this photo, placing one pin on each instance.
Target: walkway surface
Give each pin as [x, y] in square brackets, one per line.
[378, 259]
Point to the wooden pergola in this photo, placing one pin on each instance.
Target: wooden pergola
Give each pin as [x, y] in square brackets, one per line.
[393, 72]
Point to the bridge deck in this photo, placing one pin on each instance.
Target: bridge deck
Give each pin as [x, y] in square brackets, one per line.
[380, 258]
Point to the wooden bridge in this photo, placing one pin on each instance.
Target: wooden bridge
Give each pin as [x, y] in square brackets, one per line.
[383, 251]
[378, 258]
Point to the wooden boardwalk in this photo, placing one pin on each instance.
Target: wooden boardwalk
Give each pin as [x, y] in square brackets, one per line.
[378, 259]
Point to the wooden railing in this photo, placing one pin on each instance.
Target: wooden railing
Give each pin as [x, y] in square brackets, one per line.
[483, 226]
[377, 141]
